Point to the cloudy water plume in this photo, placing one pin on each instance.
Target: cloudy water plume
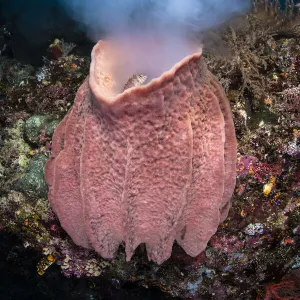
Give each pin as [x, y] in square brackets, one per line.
[153, 34]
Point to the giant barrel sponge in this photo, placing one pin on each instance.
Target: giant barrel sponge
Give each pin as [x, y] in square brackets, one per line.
[150, 164]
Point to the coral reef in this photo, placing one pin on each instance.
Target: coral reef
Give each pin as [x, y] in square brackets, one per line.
[254, 247]
[50, 89]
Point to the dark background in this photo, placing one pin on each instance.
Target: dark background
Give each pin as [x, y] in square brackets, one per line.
[19, 280]
[34, 24]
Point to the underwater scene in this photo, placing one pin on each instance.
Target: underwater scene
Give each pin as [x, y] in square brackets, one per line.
[150, 149]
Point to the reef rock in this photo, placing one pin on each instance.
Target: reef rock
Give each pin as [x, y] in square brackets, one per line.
[152, 164]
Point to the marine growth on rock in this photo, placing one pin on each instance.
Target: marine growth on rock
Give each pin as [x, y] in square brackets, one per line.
[152, 164]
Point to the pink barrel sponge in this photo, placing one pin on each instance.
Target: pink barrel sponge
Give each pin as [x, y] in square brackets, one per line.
[152, 164]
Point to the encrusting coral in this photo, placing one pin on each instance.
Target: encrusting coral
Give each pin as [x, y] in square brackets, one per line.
[151, 165]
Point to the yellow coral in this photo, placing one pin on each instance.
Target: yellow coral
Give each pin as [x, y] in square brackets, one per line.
[269, 186]
[44, 264]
